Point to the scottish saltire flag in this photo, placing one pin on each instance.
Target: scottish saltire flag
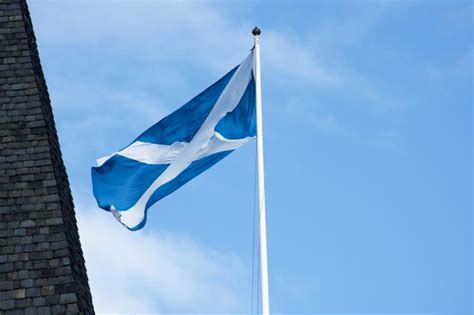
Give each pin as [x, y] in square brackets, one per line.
[178, 148]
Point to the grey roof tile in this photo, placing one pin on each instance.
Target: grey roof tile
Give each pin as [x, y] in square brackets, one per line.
[41, 262]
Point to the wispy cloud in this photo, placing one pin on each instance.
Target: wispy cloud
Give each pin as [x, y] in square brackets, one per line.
[461, 67]
[287, 56]
[159, 37]
[155, 273]
[89, 118]
[172, 33]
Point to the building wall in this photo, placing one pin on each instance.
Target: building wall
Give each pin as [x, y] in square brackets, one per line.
[42, 267]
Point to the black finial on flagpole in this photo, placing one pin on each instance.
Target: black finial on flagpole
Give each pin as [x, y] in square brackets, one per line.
[256, 31]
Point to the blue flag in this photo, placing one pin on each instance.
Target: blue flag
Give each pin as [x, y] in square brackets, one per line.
[178, 148]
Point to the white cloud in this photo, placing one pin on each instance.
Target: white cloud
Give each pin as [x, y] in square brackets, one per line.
[287, 56]
[459, 67]
[147, 272]
[93, 104]
[170, 33]
[91, 117]
[158, 38]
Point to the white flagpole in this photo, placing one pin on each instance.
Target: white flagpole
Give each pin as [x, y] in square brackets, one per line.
[261, 179]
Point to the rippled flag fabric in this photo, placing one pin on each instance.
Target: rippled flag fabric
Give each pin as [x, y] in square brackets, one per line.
[178, 148]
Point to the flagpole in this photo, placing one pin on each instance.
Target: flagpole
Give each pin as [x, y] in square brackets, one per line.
[261, 179]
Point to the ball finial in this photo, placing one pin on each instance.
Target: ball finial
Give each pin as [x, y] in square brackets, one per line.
[256, 31]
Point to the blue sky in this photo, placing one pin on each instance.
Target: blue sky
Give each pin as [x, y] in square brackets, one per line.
[368, 151]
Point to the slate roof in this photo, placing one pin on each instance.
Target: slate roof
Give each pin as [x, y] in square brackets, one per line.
[42, 267]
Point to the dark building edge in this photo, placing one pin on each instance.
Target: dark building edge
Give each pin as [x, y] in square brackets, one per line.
[68, 214]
